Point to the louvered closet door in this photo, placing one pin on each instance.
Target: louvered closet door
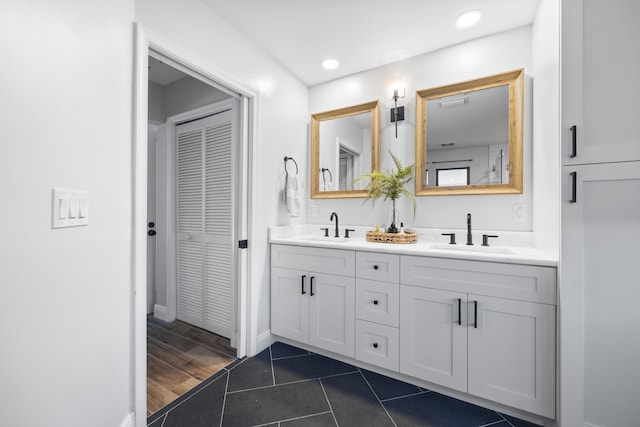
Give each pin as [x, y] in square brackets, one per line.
[205, 222]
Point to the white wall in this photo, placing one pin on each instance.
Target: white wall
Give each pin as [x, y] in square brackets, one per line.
[490, 55]
[546, 126]
[282, 115]
[65, 322]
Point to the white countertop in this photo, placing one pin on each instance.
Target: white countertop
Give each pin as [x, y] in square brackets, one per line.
[513, 247]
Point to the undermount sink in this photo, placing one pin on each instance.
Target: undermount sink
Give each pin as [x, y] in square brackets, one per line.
[327, 239]
[477, 249]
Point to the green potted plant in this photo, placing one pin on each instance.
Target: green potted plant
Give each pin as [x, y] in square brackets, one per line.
[391, 185]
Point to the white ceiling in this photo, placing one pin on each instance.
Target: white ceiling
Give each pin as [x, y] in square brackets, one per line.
[362, 34]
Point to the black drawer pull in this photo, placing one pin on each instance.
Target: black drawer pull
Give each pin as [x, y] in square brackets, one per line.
[475, 314]
[375, 267]
[574, 141]
[574, 187]
[375, 345]
[302, 284]
[375, 302]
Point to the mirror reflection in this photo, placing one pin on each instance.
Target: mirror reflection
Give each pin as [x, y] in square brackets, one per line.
[345, 146]
[470, 138]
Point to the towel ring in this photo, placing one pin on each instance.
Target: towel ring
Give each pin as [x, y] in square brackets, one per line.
[285, 164]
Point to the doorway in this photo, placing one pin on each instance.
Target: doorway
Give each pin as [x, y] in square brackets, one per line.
[246, 118]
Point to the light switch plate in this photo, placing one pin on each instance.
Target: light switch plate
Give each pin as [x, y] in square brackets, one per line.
[69, 208]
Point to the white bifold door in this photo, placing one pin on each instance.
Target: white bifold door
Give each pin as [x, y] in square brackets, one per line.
[205, 222]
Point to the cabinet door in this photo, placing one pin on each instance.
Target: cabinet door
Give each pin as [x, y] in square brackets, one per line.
[433, 336]
[290, 304]
[599, 293]
[512, 353]
[332, 313]
[600, 87]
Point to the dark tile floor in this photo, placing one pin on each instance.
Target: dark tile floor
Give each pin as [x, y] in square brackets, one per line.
[285, 386]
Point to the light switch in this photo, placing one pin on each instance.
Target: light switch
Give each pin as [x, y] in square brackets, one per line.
[70, 208]
[74, 207]
[63, 208]
[84, 209]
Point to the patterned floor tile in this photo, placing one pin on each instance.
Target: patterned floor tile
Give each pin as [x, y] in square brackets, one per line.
[275, 403]
[308, 367]
[354, 403]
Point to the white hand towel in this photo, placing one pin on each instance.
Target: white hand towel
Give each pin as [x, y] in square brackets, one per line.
[291, 195]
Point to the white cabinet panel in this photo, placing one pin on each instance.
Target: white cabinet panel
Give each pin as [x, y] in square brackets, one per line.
[600, 87]
[521, 282]
[433, 336]
[378, 302]
[512, 353]
[378, 344]
[332, 261]
[600, 256]
[289, 304]
[310, 306]
[376, 266]
[332, 313]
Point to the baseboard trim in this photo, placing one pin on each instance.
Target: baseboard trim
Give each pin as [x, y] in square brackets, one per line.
[161, 312]
[265, 339]
[129, 421]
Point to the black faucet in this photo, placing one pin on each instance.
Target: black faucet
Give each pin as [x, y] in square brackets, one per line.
[469, 238]
[335, 215]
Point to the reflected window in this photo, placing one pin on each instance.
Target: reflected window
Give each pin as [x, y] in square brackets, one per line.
[452, 177]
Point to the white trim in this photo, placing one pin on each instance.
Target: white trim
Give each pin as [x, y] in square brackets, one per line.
[161, 312]
[139, 220]
[265, 339]
[146, 41]
[129, 421]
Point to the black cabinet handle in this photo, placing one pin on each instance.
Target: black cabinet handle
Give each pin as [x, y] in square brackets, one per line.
[475, 314]
[375, 267]
[375, 345]
[312, 294]
[151, 232]
[302, 284]
[574, 141]
[459, 311]
[574, 187]
[375, 302]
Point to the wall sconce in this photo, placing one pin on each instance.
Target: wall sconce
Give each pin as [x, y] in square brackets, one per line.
[397, 113]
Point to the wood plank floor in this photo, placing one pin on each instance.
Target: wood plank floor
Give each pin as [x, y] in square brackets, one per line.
[179, 357]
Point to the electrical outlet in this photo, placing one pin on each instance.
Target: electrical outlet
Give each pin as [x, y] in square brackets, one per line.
[520, 213]
[313, 210]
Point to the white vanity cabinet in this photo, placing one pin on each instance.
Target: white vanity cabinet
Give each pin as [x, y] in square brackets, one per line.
[483, 328]
[308, 304]
[478, 327]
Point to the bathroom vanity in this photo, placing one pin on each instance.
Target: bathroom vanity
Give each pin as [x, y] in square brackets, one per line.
[479, 322]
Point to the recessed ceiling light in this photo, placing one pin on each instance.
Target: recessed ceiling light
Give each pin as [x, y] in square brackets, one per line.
[330, 64]
[469, 18]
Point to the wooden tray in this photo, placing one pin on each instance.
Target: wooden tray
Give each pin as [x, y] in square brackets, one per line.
[398, 238]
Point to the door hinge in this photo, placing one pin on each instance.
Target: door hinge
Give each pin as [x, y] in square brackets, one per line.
[243, 244]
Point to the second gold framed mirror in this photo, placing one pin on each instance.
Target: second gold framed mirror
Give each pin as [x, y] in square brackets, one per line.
[469, 137]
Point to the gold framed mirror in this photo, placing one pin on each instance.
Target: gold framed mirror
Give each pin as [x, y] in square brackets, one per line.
[345, 144]
[469, 137]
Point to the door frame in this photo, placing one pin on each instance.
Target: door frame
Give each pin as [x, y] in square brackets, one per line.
[145, 43]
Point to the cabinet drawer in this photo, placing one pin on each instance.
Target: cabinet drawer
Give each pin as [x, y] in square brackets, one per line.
[375, 266]
[378, 345]
[330, 261]
[511, 281]
[378, 302]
